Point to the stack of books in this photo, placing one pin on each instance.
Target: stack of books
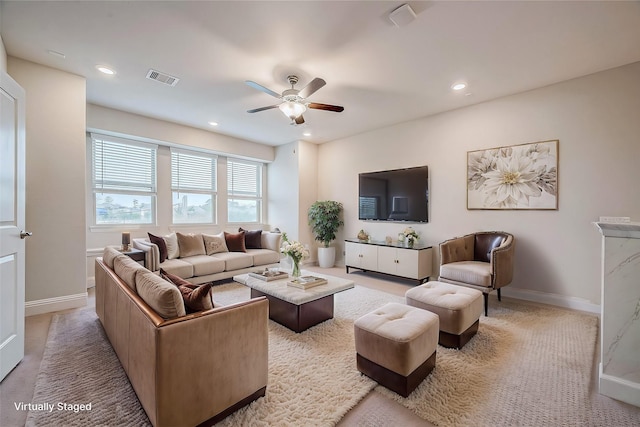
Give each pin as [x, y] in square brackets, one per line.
[306, 282]
[269, 275]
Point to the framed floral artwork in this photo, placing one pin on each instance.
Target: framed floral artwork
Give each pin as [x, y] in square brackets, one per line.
[516, 177]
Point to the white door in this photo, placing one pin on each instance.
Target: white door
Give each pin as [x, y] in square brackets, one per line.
[12, 221]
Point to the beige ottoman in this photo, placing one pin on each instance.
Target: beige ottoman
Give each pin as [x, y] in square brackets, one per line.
[396, 346]
[458, 308]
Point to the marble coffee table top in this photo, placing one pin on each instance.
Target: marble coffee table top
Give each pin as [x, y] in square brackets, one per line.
[280, 289]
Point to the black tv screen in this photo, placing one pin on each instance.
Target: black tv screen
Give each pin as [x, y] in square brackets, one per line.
[394, 195]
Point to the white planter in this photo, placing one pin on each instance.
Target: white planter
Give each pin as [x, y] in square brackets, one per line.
[326, 257]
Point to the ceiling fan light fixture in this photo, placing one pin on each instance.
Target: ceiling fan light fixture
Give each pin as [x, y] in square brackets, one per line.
[292, 109]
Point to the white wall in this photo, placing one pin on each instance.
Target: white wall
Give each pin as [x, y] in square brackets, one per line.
[283, 186]
[3, 56]
[121, 123]
[55, 192]
[293, 188]
[308, 177]
[596, 120]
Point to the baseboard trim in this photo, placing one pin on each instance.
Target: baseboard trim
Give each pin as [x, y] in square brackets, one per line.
[49, 305]
[619, 389]
[573, 303]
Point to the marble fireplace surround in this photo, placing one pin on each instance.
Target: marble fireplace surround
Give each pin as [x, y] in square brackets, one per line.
[620, 312]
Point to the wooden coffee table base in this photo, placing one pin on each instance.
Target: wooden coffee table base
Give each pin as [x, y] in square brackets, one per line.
[301, 317]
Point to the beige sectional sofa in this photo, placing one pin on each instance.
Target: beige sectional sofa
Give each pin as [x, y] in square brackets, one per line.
[202, 258]
[186, 369]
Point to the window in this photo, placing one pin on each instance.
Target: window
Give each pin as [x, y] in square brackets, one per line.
[244, 191]
[124, 181]
[193, 184]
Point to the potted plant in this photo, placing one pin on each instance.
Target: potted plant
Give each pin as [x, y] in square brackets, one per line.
[325, 219]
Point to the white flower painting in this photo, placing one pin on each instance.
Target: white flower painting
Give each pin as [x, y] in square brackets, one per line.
[515, 177]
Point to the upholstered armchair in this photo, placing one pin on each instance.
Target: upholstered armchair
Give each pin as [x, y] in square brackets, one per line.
[482, 261]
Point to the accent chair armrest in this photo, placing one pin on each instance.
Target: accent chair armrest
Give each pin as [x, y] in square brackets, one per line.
[502, 260]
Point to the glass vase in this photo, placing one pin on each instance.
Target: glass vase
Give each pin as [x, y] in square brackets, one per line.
[295, 272]
[410, 241]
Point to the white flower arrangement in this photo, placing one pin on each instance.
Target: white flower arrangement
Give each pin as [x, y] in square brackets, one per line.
[295, 250]
[410, 232]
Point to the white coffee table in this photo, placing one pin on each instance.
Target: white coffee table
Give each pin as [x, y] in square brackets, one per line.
[297, 309]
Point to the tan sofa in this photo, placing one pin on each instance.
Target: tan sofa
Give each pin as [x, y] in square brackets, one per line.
[202, 268]
[188, 369]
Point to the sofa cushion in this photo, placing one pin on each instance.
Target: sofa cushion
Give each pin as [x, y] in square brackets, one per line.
[161, 244]
[204, 264]
[109, 254]
[173, 249]
[162, 296]
[235, 242]
[234, 260]
[252, 239]
[178, 267]
[126, 269]
[196, 297]
[214, 243]
[263, 256]
[271, 241]
[190, 244]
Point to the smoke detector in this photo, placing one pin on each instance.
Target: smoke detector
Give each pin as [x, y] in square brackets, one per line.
[402, 15]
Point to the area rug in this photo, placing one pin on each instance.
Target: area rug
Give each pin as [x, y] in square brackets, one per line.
[528, 365]
[312, 375]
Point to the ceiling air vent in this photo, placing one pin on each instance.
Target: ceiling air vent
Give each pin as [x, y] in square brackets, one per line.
[162, 78]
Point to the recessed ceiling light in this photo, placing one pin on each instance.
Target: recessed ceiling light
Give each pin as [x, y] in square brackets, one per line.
[213, 123]
[458, 86]
[307, 134]
[105, 70]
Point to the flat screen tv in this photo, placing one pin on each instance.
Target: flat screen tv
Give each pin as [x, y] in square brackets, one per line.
[394, 195]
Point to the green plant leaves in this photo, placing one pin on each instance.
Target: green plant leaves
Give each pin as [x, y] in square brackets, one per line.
[325, 220]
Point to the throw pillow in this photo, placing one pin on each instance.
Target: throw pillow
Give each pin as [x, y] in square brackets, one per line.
[252, 239]
[235, 242]
[161, 244]
[271, 240]
[173, 250]
[190, 244]
[214, 243]
[196, 297]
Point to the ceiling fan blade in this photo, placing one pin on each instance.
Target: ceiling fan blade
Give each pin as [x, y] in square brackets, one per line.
[262, 88]
[313, 86]
[327, 107]
[255, 110]
[299, 120]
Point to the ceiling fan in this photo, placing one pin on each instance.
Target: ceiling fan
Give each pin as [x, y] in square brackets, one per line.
[294, 102]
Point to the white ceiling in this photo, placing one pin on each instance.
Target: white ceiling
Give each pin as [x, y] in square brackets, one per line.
[380, 73]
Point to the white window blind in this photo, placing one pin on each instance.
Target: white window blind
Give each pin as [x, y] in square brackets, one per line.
[193, 184]
[191, 171]
[244, 178]
[122, 165]
[244, 189]
[124, 181]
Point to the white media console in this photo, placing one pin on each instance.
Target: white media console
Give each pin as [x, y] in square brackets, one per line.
[395, 259]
